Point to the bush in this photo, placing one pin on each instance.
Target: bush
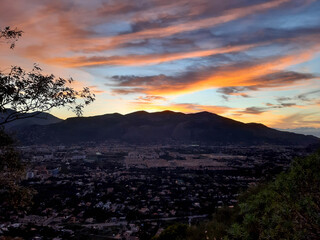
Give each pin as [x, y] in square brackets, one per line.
[286, 208]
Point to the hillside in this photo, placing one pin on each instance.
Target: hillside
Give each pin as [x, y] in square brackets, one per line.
[160, 127]
[41, 119]
[286, 208]
[304, 130]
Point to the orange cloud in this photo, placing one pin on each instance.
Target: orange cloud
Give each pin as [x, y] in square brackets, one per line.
[246, 76]
[149, 99]
[253, 74]
[96, 90]
[161, 32]
[308, 119]
[267, 118]
[138, 60]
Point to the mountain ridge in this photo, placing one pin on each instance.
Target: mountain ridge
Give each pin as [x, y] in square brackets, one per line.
[43, 118]
[160, 127]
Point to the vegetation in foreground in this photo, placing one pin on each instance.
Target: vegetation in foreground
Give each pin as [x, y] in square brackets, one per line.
[286, 208]
[27, 94]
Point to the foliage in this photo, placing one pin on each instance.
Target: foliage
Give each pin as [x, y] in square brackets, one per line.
[26, 92]
[286, 208]
[34, 92]
[12, 194]
[217, 228]
[174, 232]
[10, 35]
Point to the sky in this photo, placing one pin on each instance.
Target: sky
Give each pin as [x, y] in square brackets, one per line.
[252, 61]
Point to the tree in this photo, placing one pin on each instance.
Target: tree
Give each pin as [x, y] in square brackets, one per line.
[286, 208]
[10, 35]
[35, 92]
[13, 196]
[177, 231]
[27, 92]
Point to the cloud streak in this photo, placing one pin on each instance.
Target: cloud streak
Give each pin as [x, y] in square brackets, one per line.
[152, 54]
[251, 75]
[161, 32]
[140, 60]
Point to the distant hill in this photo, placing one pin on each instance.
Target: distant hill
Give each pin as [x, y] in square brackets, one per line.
[304, 130]
[160, 127]
[41, 119]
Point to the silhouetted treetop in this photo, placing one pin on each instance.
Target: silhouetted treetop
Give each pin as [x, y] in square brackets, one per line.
[27, 92]
[10, 35]
[36, 92]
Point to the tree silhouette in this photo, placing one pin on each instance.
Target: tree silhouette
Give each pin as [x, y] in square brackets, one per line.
[34, 91]
[10, 35]
[287, 207]
[27, 92]
[13, 196]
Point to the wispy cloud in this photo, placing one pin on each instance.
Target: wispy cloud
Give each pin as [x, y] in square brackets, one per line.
[150, 52]
[96, 90]
[261, 73]
[310, 97]
[253, 110]
[140, 60]
[300, 119]
[150, 99]
[161, 32]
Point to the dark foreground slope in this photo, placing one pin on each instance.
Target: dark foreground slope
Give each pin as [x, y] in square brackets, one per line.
[285, 208]
[160, 127]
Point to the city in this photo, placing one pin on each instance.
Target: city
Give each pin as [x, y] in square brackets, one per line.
[122, 191]
[159, 120]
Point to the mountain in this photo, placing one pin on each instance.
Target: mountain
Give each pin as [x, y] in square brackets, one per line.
[160, 127]
[41, 119]
[304, 130]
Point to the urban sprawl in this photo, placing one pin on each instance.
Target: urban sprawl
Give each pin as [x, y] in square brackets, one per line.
[122, 191]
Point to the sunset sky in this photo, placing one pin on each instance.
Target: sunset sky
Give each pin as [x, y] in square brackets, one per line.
[249, 60]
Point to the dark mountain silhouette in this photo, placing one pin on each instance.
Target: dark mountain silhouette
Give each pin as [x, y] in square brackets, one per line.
[160, 127]
[41, 119]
